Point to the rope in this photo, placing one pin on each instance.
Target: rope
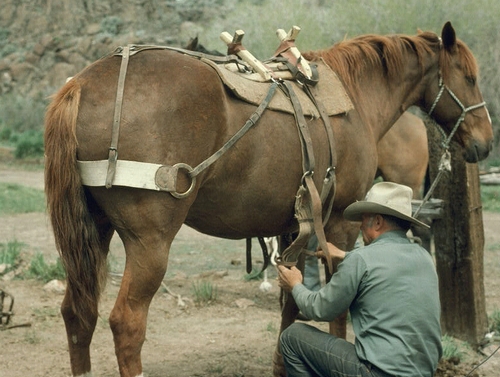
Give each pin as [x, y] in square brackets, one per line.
[444, 165]
[482, 362]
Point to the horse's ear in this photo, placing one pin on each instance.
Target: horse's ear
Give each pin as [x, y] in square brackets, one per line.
[193, 43]
[449, 38]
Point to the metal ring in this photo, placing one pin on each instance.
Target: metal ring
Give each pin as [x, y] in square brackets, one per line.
[305, 175]
[189, 169]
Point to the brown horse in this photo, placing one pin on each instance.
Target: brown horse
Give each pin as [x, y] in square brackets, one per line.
[403, 154]
[177, 110]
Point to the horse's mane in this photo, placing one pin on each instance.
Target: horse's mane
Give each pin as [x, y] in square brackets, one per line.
[351, 58]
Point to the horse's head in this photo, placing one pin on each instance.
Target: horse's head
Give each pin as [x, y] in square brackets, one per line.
[455, 101]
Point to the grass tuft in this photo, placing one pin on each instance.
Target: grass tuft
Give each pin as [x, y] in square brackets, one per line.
[204, 292]
[41, 270]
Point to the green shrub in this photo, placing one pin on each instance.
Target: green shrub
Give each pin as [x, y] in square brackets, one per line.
[4, 33]
[10, 253]
[494, 321]
[111, 25]
[8, 49]
[41, 270]
[20, 113]
[5, 133]
[29, 144]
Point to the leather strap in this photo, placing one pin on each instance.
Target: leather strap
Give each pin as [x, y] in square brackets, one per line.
[254, 118]
[308, 205]
[113, 149]
[329, 182]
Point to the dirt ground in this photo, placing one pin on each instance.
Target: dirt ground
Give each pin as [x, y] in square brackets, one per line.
[234, 336]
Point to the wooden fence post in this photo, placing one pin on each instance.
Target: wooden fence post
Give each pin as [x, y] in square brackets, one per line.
[459, 245]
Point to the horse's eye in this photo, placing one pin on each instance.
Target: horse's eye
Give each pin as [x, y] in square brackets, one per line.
[471, 80]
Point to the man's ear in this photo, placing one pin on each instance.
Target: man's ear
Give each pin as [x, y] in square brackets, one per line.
[378, 222]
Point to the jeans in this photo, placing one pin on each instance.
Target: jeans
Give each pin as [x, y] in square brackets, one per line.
[310, 352]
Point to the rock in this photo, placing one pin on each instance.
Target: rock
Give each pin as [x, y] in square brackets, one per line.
[9, 276]
[55, 286]
[4, 267]
[93, 29]
[244, 303]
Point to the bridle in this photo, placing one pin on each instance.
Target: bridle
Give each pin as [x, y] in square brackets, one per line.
[445, 162]
[461, 118]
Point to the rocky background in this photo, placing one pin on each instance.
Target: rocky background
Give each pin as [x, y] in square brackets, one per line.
[42, 42]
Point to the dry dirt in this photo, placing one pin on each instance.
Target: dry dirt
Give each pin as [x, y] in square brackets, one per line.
[234, 336]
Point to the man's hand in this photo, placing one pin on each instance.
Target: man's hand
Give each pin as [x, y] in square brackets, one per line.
[288, 278]
[334, 251]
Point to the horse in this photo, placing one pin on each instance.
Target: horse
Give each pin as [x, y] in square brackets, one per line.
[403, 154]
[176, 111]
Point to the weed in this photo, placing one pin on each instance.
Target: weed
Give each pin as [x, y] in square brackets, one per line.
[271, 328]
[46, 312]
[31, 337]
[494, 321]
[10, 255]
[40, 269]
[29, 144]
[9, 252]
[451, 350]
[204, 292]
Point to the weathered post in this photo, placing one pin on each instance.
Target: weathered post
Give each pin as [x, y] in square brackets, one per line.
[459, 245]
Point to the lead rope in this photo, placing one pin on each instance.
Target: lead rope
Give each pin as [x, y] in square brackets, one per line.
[482, 362]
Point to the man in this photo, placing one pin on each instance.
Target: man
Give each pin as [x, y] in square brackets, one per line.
[390, 287]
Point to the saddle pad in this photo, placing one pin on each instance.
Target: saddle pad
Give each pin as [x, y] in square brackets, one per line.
[329, 91]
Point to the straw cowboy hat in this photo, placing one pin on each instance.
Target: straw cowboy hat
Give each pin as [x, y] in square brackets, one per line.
[385, 198]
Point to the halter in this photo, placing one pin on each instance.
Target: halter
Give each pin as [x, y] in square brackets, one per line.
[442, 87]
[445, 162]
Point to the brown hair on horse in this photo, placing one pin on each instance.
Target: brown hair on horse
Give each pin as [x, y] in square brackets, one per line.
[177, 110]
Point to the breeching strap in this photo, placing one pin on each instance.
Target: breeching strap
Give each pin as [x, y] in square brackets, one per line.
[113, 149]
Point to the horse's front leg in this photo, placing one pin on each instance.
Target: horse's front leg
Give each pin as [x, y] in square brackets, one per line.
[144, 270]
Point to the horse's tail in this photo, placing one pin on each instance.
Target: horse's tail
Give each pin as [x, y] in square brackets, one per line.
[75, 232]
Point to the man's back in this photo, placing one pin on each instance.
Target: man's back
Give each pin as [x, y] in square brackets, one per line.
[396, 313]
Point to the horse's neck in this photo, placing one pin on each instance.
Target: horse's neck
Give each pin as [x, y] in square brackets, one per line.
[381, 102]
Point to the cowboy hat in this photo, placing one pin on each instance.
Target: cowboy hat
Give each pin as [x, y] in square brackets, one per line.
[385, 198]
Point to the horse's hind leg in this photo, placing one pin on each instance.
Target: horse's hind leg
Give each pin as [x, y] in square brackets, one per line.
[144, 271]
[80, 334]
